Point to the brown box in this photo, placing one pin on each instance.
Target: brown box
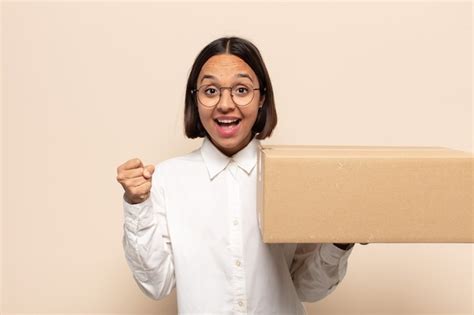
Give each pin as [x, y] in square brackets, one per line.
[364, 194]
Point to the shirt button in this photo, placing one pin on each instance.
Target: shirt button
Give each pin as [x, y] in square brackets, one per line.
[237, 262]
[236, 222]
[241, 303]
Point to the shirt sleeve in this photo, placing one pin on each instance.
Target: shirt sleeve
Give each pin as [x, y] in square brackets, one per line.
[317, 269]
[147, 244]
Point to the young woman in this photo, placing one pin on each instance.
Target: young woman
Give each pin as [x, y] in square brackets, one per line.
[195, 228]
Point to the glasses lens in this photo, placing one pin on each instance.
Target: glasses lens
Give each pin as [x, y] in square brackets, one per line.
[242, 94]
[208, 95]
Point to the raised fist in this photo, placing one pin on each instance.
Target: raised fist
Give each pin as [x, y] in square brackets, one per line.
[135, 180]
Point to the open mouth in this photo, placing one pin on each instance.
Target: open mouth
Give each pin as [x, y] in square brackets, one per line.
[228, 123]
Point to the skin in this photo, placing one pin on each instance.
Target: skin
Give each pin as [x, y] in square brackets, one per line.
[225, 68]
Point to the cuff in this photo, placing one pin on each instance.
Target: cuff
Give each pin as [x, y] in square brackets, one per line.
[332, 255]
[136, 211]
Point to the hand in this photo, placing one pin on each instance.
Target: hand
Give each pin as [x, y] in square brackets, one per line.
[135, 180]
[346, 246]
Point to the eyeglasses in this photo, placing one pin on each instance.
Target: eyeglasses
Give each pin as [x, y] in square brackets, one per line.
[210, 95]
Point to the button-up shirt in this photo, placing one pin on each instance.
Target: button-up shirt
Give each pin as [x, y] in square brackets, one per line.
[199, 232]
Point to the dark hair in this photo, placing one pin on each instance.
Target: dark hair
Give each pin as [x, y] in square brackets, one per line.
[245, 50]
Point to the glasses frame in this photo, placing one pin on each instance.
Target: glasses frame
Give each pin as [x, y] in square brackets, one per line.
[194, 91]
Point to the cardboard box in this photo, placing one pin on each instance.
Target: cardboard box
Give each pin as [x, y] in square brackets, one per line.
[364, 194]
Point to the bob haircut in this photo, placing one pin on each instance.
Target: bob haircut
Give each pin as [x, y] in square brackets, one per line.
[245, 50]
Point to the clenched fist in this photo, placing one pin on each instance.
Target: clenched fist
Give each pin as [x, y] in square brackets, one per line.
[135, 180]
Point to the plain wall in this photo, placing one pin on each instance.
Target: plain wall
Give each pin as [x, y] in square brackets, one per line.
[89, 85]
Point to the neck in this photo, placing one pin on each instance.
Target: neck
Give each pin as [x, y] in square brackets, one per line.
[231, 151]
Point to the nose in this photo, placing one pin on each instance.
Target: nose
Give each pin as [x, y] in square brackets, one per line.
[226, 102]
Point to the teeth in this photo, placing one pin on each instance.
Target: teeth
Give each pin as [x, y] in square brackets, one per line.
[227, 121]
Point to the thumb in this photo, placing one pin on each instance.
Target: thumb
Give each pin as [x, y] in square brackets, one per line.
[148, 171]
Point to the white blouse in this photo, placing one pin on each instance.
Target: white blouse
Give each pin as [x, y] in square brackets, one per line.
[199, 233]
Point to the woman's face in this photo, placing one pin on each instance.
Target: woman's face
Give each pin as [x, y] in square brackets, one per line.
[228, 71]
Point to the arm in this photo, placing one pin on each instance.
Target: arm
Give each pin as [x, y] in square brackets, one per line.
[317, 269]
[147, 245]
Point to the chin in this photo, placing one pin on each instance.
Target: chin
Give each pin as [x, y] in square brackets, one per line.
[227, 143]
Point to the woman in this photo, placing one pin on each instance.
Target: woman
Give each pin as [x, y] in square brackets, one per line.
[196, 227]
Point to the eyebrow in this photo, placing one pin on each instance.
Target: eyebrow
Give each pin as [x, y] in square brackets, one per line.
[244, 75]
[239, 75]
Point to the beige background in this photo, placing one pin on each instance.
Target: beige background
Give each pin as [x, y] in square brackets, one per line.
[89, 85]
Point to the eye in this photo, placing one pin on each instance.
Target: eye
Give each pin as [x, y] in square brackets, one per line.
[210, 91]
[241, 90]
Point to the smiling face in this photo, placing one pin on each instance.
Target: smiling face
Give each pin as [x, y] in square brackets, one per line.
[227, 70]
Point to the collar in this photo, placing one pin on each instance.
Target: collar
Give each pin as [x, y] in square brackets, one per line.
[216, 161]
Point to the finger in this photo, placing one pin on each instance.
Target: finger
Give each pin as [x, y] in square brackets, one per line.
[141, 190]
[127, 174]
[148, 171]
[135, 182]
[131, 164]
